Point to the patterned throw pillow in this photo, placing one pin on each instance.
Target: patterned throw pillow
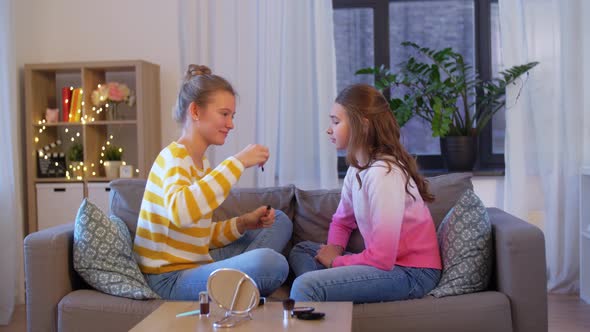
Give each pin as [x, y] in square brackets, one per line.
[103, 255]
[465, 239]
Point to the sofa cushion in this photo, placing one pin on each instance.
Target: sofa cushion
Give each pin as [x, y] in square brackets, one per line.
[313, 215]
[465, 239]
[126, 196]
[243, 200]
[314, 208]
[89, 310]
[103, 255]
[125, 200]
[482, 312]
[447, 189]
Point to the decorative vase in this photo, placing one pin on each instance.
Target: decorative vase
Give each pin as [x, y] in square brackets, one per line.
[111, 168]
[459, 152]
[112, 112]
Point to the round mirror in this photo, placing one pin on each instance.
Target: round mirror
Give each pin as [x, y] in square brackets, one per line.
[233, 291]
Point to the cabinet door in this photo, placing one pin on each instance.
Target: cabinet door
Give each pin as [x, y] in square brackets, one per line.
[58, 203]
[98, 194]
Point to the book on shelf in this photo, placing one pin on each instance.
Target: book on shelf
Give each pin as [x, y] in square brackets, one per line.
[66, 97]
[76, 105]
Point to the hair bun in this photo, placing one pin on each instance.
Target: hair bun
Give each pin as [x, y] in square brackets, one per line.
[197, 70]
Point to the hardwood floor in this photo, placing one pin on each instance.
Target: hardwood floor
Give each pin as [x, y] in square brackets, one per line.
[567, 313]
[19, 320]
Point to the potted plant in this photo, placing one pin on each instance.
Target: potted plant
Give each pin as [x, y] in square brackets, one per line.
[113, 161]
[444, 91]
[76, 159]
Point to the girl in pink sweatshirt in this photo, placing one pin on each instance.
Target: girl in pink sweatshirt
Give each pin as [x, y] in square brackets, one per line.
[384, 197]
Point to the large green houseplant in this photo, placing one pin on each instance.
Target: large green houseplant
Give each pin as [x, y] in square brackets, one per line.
[445, 91]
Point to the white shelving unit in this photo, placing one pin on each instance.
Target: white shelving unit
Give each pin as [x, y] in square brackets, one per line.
[585, 234]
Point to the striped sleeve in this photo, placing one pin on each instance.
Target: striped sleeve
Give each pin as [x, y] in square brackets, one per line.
[224, 233]
[187, 202]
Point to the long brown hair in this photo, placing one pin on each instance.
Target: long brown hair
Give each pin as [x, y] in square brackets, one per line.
[381, 138]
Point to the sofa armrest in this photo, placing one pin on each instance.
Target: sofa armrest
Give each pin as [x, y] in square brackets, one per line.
[49, 275]
[520, 268]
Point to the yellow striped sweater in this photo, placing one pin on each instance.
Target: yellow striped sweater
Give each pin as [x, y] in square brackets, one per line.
[174, 230]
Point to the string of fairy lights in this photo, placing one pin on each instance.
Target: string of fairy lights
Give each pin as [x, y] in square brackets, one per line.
[78, 170]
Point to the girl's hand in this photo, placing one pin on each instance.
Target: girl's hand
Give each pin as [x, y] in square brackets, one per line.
[262, 217]
[327, 254]
[252, 155]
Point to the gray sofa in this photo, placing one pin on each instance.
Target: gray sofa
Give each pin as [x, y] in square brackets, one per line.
[58, 299]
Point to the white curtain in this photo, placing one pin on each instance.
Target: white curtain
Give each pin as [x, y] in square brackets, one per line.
[280, 57]
[11, 219]
[544, 125]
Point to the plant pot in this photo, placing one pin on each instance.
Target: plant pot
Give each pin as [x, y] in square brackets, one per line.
[459, 152]
[111, 168]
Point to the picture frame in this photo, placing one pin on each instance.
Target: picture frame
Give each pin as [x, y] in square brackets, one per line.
[126, 171]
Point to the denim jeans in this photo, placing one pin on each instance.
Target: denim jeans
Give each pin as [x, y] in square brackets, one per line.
[356, 283]
[257, 253]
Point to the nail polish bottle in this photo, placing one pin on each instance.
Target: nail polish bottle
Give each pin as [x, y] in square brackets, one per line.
[204, 303]
[288, 306]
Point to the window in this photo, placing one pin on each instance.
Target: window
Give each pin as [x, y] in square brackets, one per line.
[369, 32]
[356, 49]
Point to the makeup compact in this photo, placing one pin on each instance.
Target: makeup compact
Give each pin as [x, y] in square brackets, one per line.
[310, 315]
[300, 310]
[304, 312]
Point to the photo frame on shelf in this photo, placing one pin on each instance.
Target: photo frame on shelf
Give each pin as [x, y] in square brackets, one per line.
[126, 171]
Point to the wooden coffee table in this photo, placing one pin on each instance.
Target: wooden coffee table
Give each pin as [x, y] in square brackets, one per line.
[268, 317]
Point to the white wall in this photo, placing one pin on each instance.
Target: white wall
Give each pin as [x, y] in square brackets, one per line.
[83, 30]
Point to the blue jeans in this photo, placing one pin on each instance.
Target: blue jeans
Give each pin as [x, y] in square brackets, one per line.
[257, 253]
[356, 283]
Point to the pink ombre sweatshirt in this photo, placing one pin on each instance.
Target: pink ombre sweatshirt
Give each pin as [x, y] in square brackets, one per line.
[397, 230]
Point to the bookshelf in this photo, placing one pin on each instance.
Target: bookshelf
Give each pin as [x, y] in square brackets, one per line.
[135, 129]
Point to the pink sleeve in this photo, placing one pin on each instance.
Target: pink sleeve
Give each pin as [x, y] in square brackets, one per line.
[386, 203]
[343, 221]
